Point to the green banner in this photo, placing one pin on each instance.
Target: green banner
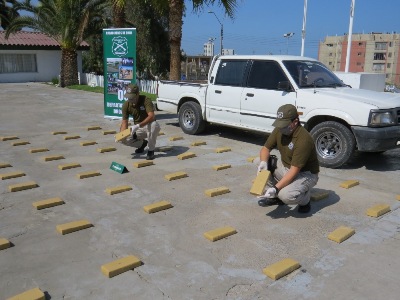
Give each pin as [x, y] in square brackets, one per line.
[119, 45]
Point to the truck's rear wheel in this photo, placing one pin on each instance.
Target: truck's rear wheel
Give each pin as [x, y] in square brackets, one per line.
[191, 119]
[334, 143]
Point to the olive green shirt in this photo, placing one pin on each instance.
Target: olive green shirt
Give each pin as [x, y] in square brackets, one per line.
[139, 112]
[296, 150]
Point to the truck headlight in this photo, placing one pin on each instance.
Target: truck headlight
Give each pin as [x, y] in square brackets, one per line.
[381, 118]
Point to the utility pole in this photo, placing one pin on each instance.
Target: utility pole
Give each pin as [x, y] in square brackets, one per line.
[303, 31]
[353, 3]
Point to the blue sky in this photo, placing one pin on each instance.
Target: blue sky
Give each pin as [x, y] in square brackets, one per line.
[259, 25]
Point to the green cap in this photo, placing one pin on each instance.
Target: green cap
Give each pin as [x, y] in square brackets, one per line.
[285, 115]
[131, 91]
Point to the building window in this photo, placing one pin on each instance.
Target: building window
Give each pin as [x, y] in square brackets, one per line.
[360, 44]
[379, 56]
[388, 65]
[359, 63]
[17, 63]
[390, 54]
[380, 46]
[390, 44]
[359, 54]
[330, 54]
[330, 63]
[378, 67]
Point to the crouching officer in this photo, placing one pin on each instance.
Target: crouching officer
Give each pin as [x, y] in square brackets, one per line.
[297, 170]
[145, 125]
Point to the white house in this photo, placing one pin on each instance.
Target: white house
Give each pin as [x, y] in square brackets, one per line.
[31, 57]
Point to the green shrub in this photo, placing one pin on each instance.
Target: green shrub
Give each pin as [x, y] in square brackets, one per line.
[54, 80]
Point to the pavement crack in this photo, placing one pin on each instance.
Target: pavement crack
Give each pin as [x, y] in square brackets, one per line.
[149, 282]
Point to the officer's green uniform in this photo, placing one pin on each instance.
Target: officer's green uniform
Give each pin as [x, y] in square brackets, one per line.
[296, 150]
[138, 113]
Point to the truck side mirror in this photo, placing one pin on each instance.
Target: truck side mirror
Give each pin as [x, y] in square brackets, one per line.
[284, 86]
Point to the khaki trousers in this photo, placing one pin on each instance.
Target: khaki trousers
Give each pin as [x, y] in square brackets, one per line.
[298, 192]
[150, 131]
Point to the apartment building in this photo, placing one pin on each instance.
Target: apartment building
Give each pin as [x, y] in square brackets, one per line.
[370, 53]
[208, 48]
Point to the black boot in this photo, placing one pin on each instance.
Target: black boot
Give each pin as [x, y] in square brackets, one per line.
[150, 155]
[304, 208]
[269, 202]
[141, 148]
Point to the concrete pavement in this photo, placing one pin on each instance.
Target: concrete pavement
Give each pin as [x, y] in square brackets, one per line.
[178, 262]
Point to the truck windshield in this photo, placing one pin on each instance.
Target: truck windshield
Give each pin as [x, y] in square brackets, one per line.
[311, 74]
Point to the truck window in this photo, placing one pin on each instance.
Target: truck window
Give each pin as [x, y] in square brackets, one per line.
[310, 74]
[231, 72]
[265, 75]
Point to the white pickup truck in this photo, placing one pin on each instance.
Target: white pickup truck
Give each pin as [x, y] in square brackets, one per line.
[245, 91]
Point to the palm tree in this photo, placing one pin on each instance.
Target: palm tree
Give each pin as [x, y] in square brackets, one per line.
[118, 13]
[176, 10]
[68, 22]
[7, 13]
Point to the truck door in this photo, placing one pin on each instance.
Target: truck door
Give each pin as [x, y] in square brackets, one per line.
[224, 92]
[261, 98]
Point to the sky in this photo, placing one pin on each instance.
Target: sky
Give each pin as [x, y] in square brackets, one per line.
[259, 25]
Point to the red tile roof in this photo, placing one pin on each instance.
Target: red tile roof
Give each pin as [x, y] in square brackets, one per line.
[30, 38]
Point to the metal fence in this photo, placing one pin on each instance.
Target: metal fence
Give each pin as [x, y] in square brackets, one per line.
[148, 86]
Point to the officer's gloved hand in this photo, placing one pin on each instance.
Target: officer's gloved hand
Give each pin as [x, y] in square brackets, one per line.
[134, 128]
[270, 193]
[262, 166]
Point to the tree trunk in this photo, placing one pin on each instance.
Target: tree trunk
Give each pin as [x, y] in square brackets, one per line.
[175, 37]
[69, 68]
[118, 18]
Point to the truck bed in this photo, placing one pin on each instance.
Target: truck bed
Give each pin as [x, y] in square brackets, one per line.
[172, 92]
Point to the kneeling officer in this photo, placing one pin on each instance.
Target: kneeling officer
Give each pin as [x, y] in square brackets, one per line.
[145, 125]
[297, 170]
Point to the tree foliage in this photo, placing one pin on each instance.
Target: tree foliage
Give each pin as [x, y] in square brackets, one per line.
[176, 12]
[152, 37]
[7, 12]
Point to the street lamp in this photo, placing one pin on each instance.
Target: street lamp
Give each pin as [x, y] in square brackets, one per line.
[288, 36]
[222, 28]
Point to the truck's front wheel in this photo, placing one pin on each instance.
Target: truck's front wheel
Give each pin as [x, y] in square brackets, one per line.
[334, 143]
[190, 118]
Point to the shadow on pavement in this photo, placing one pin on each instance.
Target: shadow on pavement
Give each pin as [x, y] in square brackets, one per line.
[165, 116]
[286, 211]
[386, 161]
[240, 135]
[159, 152]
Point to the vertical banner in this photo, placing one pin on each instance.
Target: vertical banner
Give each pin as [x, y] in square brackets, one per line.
[119, 47]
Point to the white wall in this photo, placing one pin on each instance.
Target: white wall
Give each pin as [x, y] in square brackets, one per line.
[48, 66]
[365, 81]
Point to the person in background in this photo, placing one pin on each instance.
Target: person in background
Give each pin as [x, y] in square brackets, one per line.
[145, 125]
[297, 171]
